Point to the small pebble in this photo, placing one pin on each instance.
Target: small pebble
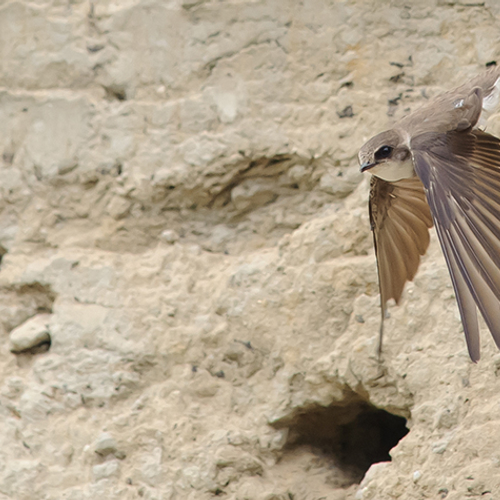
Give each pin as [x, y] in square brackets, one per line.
[439, 447]
[31, 334]
[169, 236]
[105, 444]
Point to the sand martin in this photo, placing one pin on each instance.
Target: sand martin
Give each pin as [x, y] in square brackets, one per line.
[438, 166]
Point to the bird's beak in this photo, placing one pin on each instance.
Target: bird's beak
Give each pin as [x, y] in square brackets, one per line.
[366, 166]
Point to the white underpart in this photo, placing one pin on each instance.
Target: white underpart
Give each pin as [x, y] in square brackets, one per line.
[394, 170]
[490, 104]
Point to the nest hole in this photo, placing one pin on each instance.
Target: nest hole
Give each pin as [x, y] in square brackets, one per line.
[350, 436]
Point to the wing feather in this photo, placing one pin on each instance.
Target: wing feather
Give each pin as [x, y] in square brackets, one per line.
[462, 184]
[465, 300]
[400, 220]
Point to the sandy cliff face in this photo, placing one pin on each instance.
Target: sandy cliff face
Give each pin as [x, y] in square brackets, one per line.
[188, 282]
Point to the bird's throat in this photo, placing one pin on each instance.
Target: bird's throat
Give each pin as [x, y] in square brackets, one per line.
[394, 170]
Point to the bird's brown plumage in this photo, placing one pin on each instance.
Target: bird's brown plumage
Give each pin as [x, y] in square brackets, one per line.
[456, 185]
[400, 219]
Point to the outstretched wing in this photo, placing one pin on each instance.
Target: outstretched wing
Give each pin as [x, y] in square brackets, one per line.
[460, 171]
[400, 221]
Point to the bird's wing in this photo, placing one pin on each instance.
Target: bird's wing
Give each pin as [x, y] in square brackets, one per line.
[400, 220]
[460, 171]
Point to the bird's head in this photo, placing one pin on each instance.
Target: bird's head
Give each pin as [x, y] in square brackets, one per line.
[387, 156]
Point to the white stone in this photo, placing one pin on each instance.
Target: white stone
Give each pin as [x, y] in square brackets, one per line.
[439, 447]
[169, 236]
[105, 444]
[31, 333]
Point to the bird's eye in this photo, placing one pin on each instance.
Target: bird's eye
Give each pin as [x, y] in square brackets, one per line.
[383, 152]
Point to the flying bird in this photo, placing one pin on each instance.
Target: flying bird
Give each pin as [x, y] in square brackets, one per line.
[438, 166]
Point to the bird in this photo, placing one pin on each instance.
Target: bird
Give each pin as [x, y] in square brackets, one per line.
[438, 167]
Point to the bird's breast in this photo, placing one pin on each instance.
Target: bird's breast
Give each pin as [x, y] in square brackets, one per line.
[393, 171]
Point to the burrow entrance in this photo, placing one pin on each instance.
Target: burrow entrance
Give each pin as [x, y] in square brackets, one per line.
[350, 435]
